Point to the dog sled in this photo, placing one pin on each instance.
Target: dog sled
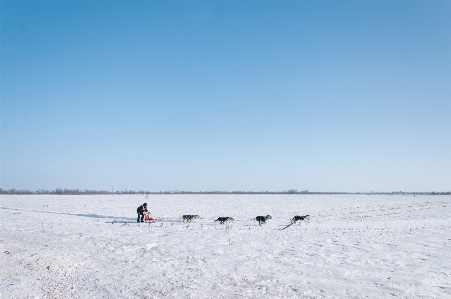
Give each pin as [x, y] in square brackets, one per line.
[148, 218]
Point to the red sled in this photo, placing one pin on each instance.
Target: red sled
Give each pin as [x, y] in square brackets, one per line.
[148, 218]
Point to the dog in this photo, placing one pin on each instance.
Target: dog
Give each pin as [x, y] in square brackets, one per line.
[223, 220]
[189, 218]
[262, 219]
[300, 218]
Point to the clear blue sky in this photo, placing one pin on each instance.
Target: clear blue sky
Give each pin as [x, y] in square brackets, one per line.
[226, 95]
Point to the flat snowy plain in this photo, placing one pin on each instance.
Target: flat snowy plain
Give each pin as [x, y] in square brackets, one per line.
[355, 246]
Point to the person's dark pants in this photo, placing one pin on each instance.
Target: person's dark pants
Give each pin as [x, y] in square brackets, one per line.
[142, 216]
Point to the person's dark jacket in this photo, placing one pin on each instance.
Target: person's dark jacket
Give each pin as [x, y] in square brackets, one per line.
[141, 209]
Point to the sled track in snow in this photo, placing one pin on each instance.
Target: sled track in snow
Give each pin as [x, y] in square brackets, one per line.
[71, 214]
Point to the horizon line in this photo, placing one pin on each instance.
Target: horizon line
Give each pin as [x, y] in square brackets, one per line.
[59, 191]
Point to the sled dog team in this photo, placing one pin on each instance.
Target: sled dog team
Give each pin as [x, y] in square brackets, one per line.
[142, 210]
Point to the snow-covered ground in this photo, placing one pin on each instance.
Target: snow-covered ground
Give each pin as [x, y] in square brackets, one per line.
[354, 247]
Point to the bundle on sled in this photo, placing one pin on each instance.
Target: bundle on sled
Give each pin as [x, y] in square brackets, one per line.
[148, 218]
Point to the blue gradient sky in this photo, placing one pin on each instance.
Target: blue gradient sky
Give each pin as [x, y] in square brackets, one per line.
[219, 95]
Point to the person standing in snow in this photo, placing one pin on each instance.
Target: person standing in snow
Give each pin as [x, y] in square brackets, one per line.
[140, 210]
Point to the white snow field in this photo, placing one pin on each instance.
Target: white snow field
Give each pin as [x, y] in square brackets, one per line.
[355, 246]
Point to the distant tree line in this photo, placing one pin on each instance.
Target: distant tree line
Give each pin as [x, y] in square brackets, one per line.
[59, 191]
[56, 191]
